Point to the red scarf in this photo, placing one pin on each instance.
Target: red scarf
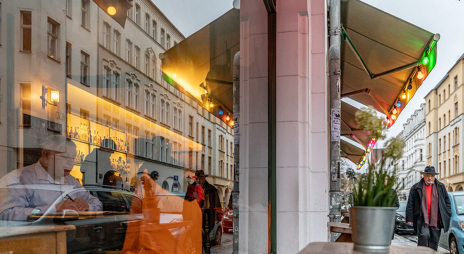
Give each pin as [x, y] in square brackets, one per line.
[431, 221]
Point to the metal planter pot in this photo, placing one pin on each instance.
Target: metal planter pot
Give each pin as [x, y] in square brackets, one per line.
[372, 228]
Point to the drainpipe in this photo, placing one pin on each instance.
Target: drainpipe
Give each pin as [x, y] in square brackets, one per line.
[236, 190]
[335, 87]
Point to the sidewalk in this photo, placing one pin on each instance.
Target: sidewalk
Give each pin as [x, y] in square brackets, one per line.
[410, 241]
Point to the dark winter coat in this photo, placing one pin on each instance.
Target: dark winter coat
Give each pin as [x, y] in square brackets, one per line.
[209, 204]
[414, 210]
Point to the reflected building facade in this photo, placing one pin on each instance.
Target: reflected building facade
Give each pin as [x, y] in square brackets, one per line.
[113, 101]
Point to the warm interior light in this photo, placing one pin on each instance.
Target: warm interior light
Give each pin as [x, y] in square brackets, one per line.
[403, 95]
[55, 96]
[393, 117]
[211, 105]
[231, 123]
[227, 118]
[394, 111]
[175, 76]
[111, 10]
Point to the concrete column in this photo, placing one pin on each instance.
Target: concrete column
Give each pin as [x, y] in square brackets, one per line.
[302, 137]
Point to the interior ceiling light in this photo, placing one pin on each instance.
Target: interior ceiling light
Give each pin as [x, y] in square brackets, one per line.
[403, 96]
[398, 104]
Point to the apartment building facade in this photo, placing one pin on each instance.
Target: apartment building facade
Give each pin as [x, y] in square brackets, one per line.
[444, 124]
[413, 160]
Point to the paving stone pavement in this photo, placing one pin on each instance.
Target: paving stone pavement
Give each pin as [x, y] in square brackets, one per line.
[411, 241]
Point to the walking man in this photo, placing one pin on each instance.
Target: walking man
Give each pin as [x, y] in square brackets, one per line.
[428, 209]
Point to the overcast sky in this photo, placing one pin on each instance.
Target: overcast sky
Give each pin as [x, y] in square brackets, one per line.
[436, 16]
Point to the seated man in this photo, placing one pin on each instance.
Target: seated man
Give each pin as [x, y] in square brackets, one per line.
[36, 188]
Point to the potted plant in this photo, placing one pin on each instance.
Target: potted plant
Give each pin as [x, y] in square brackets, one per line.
[372, 212]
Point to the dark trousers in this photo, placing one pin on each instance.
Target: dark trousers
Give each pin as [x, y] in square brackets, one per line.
[429, 237]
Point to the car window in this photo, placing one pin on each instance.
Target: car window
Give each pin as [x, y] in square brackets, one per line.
[112, 201]
[402, 207]
[459, 203]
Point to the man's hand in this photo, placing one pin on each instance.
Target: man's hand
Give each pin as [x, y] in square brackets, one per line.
[410, 223]
[66, 204]
[81, 204]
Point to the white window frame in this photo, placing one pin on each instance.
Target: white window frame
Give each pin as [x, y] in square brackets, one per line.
[137, 57]
[129, 86]
[154, 30]
[135, 101]
[69, 8]
[106, 35]
[129, 51]
[162, 112]
[174, 118]
[85, 11]
[116, 42]
[168, 41]
[147, 64]
[53, 39]
[162, 39]
[115, 84]
[153, 106]
[85, 68]
[26, 28]
[147, 103]
[137, 14]
[153, 68]
[106, 81]
[167, 113]
[147, 23]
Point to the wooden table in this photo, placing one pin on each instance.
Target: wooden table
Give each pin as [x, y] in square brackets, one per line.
[34, 239]
[347, 248]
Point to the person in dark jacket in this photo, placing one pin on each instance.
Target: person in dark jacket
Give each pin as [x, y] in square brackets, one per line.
[428, 209]
[209, 207]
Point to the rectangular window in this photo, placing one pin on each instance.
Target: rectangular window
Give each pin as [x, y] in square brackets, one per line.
[209, 138]
[137, 14]
[26, 31]
[106, 35]
[106, 81]
[154, 31]
[137, 57]
[153, 106]
[190, 128]
[68, 59]
[129, 93]
[128, 51]
[456, 111]
[52, 38]
[203, 161]
[168, 41]
[115, 86]
[135, 101]
[167, 114]
[162, 42]
[147, 23]
[180, 121]
[162, 115]
[174, 118]
[69, 8]
[116, 42]
[147, 103]
[84, 68]
[209, 164]
[147, 64]
[85, 13]
[203, 135]
[456, 82]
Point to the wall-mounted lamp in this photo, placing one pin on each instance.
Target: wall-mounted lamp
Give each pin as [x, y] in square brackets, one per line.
[54, 96]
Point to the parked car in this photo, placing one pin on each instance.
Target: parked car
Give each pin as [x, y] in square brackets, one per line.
[401, 227]
[453, 240]
[227, 220]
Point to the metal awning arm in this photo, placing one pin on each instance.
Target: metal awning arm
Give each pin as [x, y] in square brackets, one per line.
[345, 36]
[359, 141]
